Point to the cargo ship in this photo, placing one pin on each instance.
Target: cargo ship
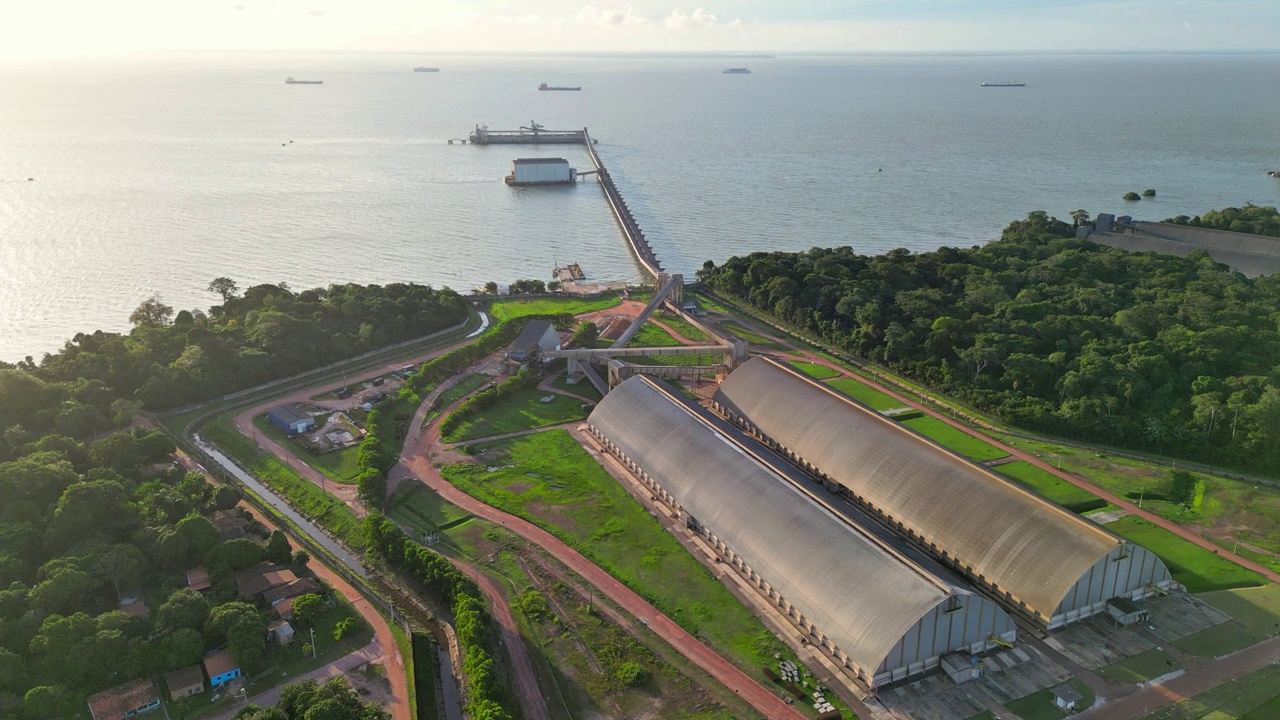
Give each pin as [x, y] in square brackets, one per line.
[545, 86]
[291, 81]
[426, 69]
[736, 71]
[1003, 84]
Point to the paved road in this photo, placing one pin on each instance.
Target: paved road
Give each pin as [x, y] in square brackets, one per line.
[416, 460]
[383, 638]
[532, 703]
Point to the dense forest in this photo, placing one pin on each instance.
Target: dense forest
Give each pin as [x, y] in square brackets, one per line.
[1179, 356]
[1256, 219]
[92, 512]
[308, 700]
[170, 359]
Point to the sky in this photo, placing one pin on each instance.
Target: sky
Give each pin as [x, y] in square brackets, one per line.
[34, 29]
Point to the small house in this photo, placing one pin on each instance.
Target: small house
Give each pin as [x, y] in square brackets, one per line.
[292, 590]
[184, 683]
[538, 336]
[261, 578]
[135, 608]
[280, 632]
[283, 609]
[198, 579]
[291, 419]
[221, 668]
[1066, 697]
[124, 701]
[1124, 611]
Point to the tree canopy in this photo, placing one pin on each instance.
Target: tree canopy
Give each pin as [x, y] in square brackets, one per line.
[1175, 355]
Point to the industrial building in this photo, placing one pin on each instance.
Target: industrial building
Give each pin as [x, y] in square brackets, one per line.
[1041, 561]
[858, 596]
[541, 171]
[291, 419]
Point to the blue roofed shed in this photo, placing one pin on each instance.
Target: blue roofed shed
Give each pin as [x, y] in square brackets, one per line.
[291, 419]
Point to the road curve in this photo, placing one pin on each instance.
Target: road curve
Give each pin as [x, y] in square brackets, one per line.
[384, 644]
[416, 459]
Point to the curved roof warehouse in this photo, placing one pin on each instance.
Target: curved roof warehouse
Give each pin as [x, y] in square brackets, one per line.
[868, 605]
[1045, 562]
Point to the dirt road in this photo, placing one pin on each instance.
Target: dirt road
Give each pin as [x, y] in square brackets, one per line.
[388, 651]
[532, 704]
[416, 460]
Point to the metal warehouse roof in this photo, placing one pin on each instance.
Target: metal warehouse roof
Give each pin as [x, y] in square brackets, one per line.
[541, 161]
[1022, 544]
[857, 591]
[288, 414]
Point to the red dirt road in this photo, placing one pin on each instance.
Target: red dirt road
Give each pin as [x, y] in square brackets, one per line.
[532, 704]
[416, 458]
[399, 707]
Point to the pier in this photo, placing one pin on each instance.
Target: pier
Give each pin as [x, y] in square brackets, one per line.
[533, 134]
[630, 228]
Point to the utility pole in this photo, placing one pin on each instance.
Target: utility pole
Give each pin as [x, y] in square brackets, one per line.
[313, 643]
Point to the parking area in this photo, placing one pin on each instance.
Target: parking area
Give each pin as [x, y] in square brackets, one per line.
[1181, 614]
[1097, 642]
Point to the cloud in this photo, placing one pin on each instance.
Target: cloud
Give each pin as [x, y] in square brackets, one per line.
[680, 20]
[737, 23]
[316, 13]
[625, 15]
[238, 7]
[518, 19]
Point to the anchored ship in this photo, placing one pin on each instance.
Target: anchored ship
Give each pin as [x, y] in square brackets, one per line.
[426, 69]
[1003, 84]
[291, 81]
[545, 86]
[736, 71]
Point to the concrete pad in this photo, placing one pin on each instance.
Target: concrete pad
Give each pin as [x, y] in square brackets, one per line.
[1021, 654]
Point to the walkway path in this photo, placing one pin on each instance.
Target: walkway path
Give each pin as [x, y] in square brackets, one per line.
[416, 461]
[1079, 482]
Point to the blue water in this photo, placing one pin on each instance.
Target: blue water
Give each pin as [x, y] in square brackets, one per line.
[158, 174]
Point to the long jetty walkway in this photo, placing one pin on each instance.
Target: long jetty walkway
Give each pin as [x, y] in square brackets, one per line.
[630, 228]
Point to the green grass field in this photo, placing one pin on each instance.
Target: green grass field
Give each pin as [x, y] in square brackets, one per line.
[866, 395]
[954, 439]
[1141, 667]
[338, 465]
[1255, 696]
[755, 339]
[1051, 486]
[419, 506]
[508, 309]
[457, 391]
[650, 335]
[1039, 706]
[814, 370]
[522, 411]
[682, 326]
[1256, 616]
[1199, 569]
[550, 480]
[583, 388]
[302, 494]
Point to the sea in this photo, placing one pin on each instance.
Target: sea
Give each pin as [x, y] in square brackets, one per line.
[154, 174]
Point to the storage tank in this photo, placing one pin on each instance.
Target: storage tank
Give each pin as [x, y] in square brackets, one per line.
[541, 171]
